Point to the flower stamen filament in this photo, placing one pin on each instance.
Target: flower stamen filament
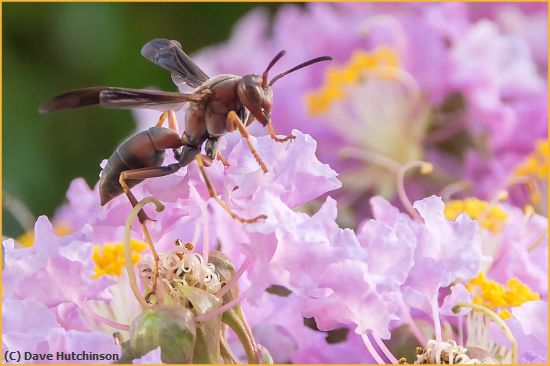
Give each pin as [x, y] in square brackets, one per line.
[498, 320]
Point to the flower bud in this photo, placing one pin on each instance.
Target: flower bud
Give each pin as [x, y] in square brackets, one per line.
[170, 327]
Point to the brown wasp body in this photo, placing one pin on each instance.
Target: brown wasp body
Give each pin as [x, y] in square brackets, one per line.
[218, 105]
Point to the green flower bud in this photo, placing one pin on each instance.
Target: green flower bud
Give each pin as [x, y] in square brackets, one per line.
[170, 327]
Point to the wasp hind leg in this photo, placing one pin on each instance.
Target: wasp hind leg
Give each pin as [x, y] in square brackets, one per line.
[145, 173]
[201, 163]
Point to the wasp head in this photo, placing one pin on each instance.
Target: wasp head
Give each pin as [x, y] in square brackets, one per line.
[255, 91]
[256, 97]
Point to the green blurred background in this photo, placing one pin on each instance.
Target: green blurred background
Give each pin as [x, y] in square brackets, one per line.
[51, 48]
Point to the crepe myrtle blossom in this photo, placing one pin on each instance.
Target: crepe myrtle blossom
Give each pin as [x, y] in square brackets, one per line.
[528, 323]
[459, 98]
[396, 267]
[306, 266]
[92, 294]
[515, 239]
[48, 289]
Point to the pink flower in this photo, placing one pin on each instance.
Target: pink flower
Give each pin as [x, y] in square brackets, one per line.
[47, 291]
[529, 326]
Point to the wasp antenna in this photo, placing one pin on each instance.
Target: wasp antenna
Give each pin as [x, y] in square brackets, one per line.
[275, 59]
[302, 65]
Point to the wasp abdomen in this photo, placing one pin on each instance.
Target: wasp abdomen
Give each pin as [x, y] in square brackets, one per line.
[142, 150]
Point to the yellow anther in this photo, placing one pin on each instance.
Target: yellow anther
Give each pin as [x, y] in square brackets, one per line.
[502, 195]
[528, 210]
[27, 239]
[385, 56]
[382, 62]
[498, 297]
[505, 314]
[492, 218]
[109, 258]
[536, 164]
[361, 60]
[426, 168]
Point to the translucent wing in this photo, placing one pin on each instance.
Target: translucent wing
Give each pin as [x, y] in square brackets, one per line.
[123, 98]
[169, 55]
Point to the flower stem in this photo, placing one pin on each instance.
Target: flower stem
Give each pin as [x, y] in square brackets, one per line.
[104, 320]
[497, 319]
[205, 230]
[127, 250]
[501, 196]
[425, 168]
[371, 349]
[450, 190]
[19, 211]
[410, 321]
[385, 349]
[370, 157]
[233, 280]
[460, 330]
[437, 321]
[236, 301]
[539, 241]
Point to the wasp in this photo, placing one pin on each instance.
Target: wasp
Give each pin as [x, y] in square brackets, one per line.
[217, 105]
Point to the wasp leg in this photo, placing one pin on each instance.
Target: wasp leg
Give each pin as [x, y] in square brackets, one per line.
[274, 135]
[211, 149]
[233, 119]
[220, 157]
[162, 118]
[214, 195]
[172, 121]
[144, 173]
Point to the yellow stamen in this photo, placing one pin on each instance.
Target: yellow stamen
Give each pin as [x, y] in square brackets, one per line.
[496, 296]
[491, 218]
[27, 239]
[536, 164]
[109, 258]
[382, 62]
[505, 314]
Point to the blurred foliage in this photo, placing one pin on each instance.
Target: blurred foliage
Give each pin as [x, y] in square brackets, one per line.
[51, 48]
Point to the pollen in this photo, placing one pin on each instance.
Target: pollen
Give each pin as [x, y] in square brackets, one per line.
[499, 297]
[490, 217]
[382, 62]
[536, 164]
[109, 258]
[27, 239]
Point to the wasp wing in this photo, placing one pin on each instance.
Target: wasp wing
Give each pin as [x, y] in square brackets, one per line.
[169, 55]
[123, 98]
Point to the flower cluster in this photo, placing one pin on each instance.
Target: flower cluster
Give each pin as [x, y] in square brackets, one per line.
[460, 97]
[361, 276]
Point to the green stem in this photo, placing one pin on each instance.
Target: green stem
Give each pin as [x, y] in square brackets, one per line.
[128, 251]
[497, 319]
[235, 319]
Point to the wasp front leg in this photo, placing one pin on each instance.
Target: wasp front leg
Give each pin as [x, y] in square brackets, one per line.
[233, 121]
[274, 135]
